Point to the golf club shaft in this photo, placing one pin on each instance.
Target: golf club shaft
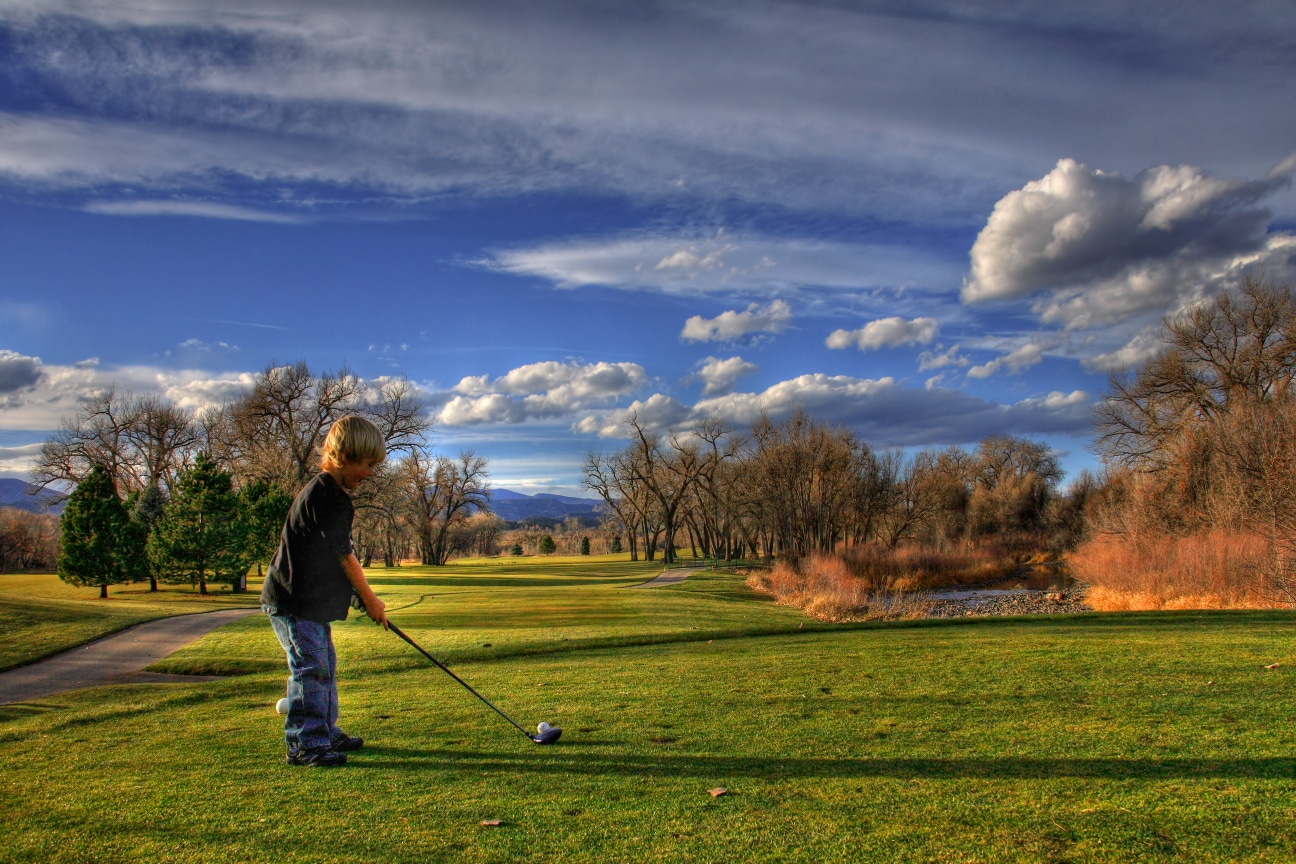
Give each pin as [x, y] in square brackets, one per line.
[446, 669]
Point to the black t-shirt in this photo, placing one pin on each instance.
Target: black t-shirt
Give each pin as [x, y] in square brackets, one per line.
[306, 577]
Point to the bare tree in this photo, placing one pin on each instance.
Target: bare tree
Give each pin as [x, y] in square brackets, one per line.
[611, 479]
[139, 440]
[274, 432]
[666, 472]
[441, 494]
[1222, 353]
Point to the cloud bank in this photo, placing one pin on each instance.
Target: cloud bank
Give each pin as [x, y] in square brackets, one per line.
[1095, 250]
[1109, 247]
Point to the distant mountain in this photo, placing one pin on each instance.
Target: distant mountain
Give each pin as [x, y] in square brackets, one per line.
[515, 507]
[13, 493]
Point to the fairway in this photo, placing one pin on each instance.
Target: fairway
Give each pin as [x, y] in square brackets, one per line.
[1099, 738]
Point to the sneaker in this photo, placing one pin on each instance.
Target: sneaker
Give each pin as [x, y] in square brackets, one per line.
[316, 757]
[347, 743]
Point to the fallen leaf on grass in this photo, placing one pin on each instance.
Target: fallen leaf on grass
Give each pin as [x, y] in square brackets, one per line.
[718, 791]
[1273, 665]
[492, 823]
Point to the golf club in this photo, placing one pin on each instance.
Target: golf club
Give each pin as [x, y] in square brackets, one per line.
[546, 735]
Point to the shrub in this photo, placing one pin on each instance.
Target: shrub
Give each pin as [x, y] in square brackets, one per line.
[827, 588]
[1210, 570]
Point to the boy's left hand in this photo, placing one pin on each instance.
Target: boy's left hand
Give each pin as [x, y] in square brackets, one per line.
[376, 609]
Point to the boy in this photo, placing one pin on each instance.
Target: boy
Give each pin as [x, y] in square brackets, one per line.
[310, 583]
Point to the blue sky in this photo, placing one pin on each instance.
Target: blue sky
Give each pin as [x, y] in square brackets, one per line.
[931, 221]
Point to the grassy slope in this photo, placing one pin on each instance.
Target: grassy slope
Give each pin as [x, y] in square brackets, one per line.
[1090, 739]
[41, 615]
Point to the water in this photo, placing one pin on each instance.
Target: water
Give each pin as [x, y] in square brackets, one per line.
[1027, 579]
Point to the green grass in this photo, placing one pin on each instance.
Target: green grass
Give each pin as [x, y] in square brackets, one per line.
[41, 615]
[1100, 738]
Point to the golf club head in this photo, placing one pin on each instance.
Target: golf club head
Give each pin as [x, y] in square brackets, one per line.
[549, 736]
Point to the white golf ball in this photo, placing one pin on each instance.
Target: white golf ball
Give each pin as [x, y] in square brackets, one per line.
[543, 728]
[281, 707]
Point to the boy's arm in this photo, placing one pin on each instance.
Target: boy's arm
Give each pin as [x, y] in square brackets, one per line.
[375, 608]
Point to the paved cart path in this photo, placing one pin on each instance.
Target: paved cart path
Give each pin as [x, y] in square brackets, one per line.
[116, 659]
[670, 577]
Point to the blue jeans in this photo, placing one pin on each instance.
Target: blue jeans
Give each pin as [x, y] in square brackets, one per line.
[312, 687]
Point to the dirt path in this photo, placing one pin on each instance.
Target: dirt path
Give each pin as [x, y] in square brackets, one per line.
[116, 659]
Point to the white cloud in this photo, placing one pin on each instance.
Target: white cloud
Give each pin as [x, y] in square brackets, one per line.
[657, 413]
[1021, 357]
[198, 347]
[60, 390]
[816, 393]
[928, 360]
[730, 325]
[1140, 347]
[539, 391]
[202, 209]
[720, 376]
[720, 263]
[1103, 249]
[886, 333]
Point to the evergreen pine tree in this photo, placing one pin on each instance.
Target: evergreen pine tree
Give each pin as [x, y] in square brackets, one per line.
[616, 543]
[92, 528]
[547, 546]
[516, 551]
[585, 549]
[200, 536]
[264, 508]
[145, 509]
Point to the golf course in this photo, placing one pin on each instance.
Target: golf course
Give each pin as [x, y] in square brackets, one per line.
[1098, 737]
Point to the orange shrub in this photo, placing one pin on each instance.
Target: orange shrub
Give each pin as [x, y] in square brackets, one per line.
[1214, 570]
[912, 568]
[828, 588]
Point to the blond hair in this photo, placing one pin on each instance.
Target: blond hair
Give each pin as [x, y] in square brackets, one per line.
[352, 439]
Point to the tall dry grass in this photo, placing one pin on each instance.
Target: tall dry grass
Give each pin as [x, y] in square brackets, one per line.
[876, 582]
[825, 588]
[1213, 570]
[920, 568]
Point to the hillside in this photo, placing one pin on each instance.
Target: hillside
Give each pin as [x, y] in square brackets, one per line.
[14, 493]
[515, 507]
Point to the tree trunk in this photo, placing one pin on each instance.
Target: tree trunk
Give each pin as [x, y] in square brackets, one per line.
[103, 591]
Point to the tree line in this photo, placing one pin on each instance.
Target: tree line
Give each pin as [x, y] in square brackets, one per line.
[161, 493]
[1199, 437]
[801, 486]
